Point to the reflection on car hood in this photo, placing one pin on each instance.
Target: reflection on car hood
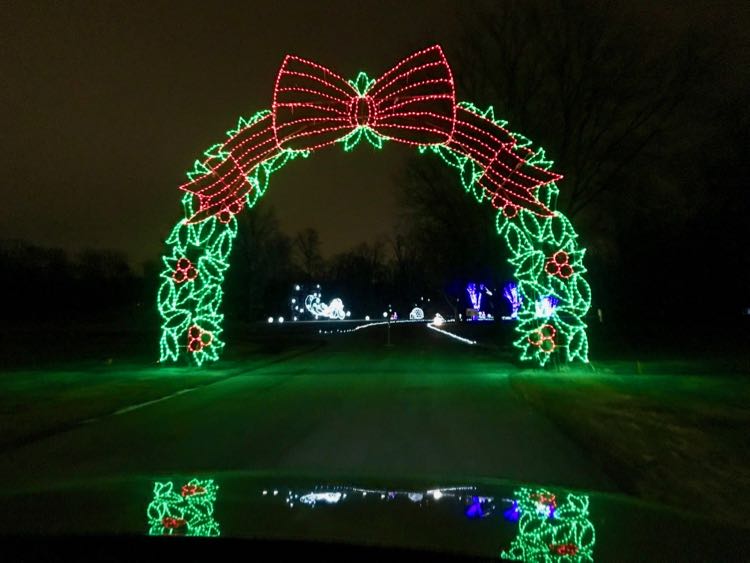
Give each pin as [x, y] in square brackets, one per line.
[488, 518]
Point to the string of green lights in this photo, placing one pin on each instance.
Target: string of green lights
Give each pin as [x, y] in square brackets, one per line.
[187, 512]
[549, 530]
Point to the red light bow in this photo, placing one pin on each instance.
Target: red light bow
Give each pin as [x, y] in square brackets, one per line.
[412, 103]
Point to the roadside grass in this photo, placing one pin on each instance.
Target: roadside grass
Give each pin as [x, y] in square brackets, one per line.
[680, 440]
[36, 403]
[40, 401]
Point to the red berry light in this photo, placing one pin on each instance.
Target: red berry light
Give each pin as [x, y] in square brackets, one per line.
[184, 271]
[563, 548]
[510, 211]
[172, 523]
[544, 338]
[198, 338]
[559, 265]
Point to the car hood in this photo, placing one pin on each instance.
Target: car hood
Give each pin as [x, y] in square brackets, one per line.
[477, 517]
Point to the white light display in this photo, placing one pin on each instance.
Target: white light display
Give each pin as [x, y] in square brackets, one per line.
[326, 497]
[454, 336]
[417, 314]
[545, 307]
[333, 310]
[334, 495]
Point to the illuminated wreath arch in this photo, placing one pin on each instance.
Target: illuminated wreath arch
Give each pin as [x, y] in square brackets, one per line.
[412, 103]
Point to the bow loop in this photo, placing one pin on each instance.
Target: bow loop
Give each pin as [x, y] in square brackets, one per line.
[415, 101]
[311, 105]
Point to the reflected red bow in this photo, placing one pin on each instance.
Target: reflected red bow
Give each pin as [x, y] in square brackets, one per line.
[412, 103]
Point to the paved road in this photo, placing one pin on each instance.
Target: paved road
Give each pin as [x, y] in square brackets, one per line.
[428, 407]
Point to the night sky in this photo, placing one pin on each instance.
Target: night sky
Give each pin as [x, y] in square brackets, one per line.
[106, 105]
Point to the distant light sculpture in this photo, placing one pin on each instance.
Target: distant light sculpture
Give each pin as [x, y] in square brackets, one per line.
[416, 314]
[333, 310]
[545, 307]
[510, 291]
[475, 295]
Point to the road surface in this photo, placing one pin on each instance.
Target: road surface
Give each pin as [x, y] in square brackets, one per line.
[426, 407]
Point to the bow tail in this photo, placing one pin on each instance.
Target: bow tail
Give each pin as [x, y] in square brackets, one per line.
[227, 183]
[508, 178]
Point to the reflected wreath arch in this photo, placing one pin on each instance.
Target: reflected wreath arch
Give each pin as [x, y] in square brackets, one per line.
[412, 103]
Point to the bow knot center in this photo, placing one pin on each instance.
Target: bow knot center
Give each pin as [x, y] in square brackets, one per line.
[362, 111]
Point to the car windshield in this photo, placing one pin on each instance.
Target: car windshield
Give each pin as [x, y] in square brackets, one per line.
[494, 305]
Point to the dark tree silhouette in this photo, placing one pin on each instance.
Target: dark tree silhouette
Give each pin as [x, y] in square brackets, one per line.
[590, 82]
[306, 247]
[261, 265]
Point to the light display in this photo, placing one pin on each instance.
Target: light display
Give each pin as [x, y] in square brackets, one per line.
[188, 511]
[510, 291]
[334, 495]
[477, 508]
[475, 298]
[412, 103]
[475, 295]
[333, 310]
[416, 314]
[550, 530]
[433, 326]
[545, 307]
[533, 239]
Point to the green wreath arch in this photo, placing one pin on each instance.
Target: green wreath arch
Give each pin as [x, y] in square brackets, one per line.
[543, 249]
